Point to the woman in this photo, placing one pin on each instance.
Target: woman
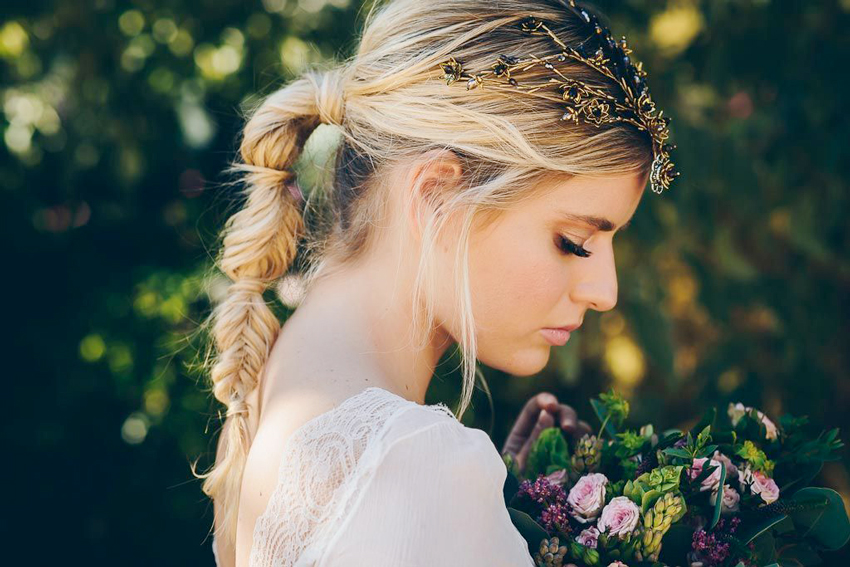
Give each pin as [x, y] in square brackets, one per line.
[480, 216]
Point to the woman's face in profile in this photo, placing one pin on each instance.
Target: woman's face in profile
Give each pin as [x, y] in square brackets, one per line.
[528, 272]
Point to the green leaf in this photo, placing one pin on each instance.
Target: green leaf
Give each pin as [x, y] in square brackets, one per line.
[804, 474]
[676, 544]
[676, 452]
[830, 526]
[751, 532]
[550, 448]
[649, 499]
[719, 500]
[510, 487]
[531, 531]
[765, 548]
[798, 554]
[602, 412]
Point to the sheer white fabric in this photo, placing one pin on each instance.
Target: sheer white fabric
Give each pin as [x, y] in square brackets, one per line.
[382, 480]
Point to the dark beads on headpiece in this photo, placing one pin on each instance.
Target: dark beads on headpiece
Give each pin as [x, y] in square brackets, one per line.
[581, 100]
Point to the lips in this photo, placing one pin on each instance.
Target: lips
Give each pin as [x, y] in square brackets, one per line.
[558, 336]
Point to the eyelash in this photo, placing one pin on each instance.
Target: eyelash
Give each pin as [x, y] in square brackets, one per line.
[567, 246]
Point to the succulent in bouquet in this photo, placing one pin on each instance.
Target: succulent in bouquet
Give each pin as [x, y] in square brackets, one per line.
[731, 492]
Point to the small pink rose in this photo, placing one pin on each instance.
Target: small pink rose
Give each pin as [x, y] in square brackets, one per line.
[558, 477]
[765, 487]
[617, 564]
[589, 537]
[731, 499]
[620, 517]
[587, 497]
[712, 481]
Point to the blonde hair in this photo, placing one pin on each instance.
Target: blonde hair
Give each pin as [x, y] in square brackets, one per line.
[391, 105]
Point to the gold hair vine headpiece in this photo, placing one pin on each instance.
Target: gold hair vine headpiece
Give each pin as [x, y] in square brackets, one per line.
[593, 105]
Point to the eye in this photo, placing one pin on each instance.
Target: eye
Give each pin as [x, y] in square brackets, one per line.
[567, 246]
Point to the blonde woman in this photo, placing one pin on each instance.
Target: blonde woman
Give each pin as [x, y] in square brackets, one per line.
[462, 212]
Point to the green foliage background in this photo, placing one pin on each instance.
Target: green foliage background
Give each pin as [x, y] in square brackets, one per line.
[119, 115]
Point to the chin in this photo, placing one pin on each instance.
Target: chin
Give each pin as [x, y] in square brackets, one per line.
[527, 362]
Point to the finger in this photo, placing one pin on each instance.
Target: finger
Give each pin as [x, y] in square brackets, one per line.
[546, 420]
[527, 420]
[567, 418]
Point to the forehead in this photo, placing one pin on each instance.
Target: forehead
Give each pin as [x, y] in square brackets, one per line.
[613, 198]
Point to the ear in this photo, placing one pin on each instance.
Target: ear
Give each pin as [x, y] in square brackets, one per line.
[430, 178]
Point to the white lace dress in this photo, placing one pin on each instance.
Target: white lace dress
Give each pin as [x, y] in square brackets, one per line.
[382, 480]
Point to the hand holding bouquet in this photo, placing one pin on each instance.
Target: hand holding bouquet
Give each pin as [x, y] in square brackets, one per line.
[731, 492]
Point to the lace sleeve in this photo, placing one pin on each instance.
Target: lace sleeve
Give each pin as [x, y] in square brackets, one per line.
[432, 497]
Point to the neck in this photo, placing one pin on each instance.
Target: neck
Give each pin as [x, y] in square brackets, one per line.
[363, 316]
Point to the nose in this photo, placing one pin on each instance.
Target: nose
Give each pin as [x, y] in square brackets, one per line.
[595, 284]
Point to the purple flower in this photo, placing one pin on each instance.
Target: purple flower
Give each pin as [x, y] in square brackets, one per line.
[542, 491]
[556, 517]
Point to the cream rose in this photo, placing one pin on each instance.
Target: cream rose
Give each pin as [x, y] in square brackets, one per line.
[620, 517]
[737, 411]
[587, 497]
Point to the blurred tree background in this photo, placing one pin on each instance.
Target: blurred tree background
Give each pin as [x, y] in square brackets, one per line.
[118, 117]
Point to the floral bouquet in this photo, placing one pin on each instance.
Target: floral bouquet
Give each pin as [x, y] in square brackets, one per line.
[731, 492]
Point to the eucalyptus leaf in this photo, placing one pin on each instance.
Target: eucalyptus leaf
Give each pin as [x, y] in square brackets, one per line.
[798, 554]
[531, 531]
[719, 500]
[750, 532]
[510, 486]
[829, 526]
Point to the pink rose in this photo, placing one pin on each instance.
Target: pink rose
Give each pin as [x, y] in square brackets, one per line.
[589, 537]
[731, 469]
[558, 477]
[737, 411]
[587, 497]
[620, 517]
[712, 481]
[765, 487]
[617, 564]
[731, 499]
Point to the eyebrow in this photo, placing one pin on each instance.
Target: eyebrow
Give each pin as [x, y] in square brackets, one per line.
[599, 223]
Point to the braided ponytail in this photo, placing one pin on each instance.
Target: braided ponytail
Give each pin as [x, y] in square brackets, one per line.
[259, 243]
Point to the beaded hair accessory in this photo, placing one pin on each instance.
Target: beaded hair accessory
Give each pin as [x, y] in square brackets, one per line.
[582, 101]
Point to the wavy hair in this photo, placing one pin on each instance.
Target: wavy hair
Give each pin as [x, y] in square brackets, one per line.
[391, 104]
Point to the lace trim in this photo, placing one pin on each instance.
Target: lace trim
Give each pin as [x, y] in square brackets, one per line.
[318, 462]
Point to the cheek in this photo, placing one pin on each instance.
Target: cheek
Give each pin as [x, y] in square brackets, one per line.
[516, 286]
